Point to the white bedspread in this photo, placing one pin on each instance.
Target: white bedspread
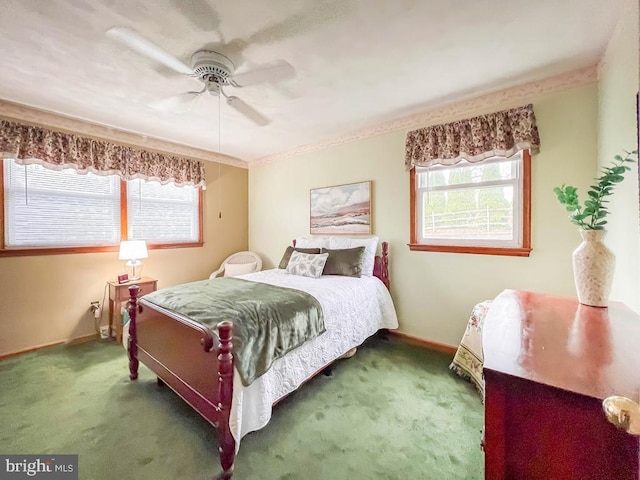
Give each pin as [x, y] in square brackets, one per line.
[354, 309]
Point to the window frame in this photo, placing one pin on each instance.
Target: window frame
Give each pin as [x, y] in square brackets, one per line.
[16, 252]
[521, 251]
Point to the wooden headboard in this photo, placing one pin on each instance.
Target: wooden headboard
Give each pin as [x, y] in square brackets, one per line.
[380, 265]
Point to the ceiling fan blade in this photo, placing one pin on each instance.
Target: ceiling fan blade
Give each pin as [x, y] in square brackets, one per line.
[275, 73]
[316, 16]
[248, 111]
[201, 15]
[132, 39]
[176, 103]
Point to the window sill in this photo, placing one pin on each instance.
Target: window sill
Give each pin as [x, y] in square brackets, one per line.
[511, 252]
[25, 252]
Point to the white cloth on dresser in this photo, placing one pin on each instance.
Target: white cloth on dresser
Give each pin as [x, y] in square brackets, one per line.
[469, 358]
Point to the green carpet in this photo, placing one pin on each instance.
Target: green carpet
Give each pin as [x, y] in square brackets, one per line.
[393, 411]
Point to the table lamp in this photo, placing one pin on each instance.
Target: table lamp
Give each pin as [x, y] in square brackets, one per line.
[133, 251]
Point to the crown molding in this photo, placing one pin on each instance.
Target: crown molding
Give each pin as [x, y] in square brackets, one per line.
[42, 118]
[492, 101]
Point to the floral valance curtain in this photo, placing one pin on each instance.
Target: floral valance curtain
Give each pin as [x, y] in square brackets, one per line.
[56, 150]
[501, 133]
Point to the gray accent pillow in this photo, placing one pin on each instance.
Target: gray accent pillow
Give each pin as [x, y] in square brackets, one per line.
[346, 261]
[287, 254]
[307, 264]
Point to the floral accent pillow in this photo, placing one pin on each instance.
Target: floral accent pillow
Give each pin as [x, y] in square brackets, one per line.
[307, 264]
[287, 255]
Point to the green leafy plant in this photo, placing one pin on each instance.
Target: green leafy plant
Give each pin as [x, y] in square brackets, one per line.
[592, 216]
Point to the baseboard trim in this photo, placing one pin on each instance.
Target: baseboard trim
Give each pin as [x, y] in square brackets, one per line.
[83, 339]
[421, 342]
[74, 341]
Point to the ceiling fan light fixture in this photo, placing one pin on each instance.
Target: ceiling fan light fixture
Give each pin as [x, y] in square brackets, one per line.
[214, 89]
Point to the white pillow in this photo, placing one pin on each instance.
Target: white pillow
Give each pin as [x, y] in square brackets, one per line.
[235, 269]
[307, 264]
[312, 242]
[370, 244]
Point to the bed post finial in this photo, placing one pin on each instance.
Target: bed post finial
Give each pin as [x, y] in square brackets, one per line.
[227, 444]
[384, 273]
[132, 343]
[381, 265]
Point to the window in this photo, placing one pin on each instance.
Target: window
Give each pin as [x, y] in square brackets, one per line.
[63, 211]
[48, 208]
[162, 213]
[481, 207]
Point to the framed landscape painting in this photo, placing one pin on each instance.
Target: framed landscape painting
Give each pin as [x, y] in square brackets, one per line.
[341, 209]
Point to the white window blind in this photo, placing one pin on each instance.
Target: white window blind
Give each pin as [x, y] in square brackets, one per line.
[162, 213]
[49, 208]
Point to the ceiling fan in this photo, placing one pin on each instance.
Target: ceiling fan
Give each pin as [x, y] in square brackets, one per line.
[213, 69]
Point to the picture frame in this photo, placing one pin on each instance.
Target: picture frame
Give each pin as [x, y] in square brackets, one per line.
[341, 209]
[124, 278]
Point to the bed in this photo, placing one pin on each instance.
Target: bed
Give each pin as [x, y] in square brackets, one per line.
[198, 362]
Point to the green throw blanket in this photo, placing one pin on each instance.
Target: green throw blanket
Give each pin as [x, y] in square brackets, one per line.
[268, 321]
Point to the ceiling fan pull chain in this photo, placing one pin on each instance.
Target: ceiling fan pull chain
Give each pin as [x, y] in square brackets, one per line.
[219, 164]
[26, 187]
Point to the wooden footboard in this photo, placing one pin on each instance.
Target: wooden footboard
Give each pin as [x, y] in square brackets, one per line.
[195, 362]
[178, 351]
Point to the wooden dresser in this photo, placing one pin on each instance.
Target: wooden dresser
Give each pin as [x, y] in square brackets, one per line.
[548, 364]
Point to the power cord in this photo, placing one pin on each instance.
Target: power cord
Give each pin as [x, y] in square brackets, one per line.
[98, 320]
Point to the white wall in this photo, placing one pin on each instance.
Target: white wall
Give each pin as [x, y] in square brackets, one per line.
[435, 292]
[617, 131]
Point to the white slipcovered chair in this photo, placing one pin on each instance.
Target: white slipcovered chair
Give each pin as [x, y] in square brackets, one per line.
[239, 264]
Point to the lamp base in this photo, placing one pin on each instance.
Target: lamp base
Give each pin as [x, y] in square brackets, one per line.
[134, 270]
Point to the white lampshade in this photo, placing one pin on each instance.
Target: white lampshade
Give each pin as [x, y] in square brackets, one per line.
[133, 251]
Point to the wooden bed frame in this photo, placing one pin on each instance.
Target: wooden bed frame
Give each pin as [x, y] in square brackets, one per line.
[179, 350]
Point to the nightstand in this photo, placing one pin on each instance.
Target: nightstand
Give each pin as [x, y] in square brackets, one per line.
[118, 295]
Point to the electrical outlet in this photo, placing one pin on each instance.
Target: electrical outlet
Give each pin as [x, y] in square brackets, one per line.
[96, 310]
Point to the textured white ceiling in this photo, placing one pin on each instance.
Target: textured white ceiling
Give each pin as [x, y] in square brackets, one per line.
[358, 63]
